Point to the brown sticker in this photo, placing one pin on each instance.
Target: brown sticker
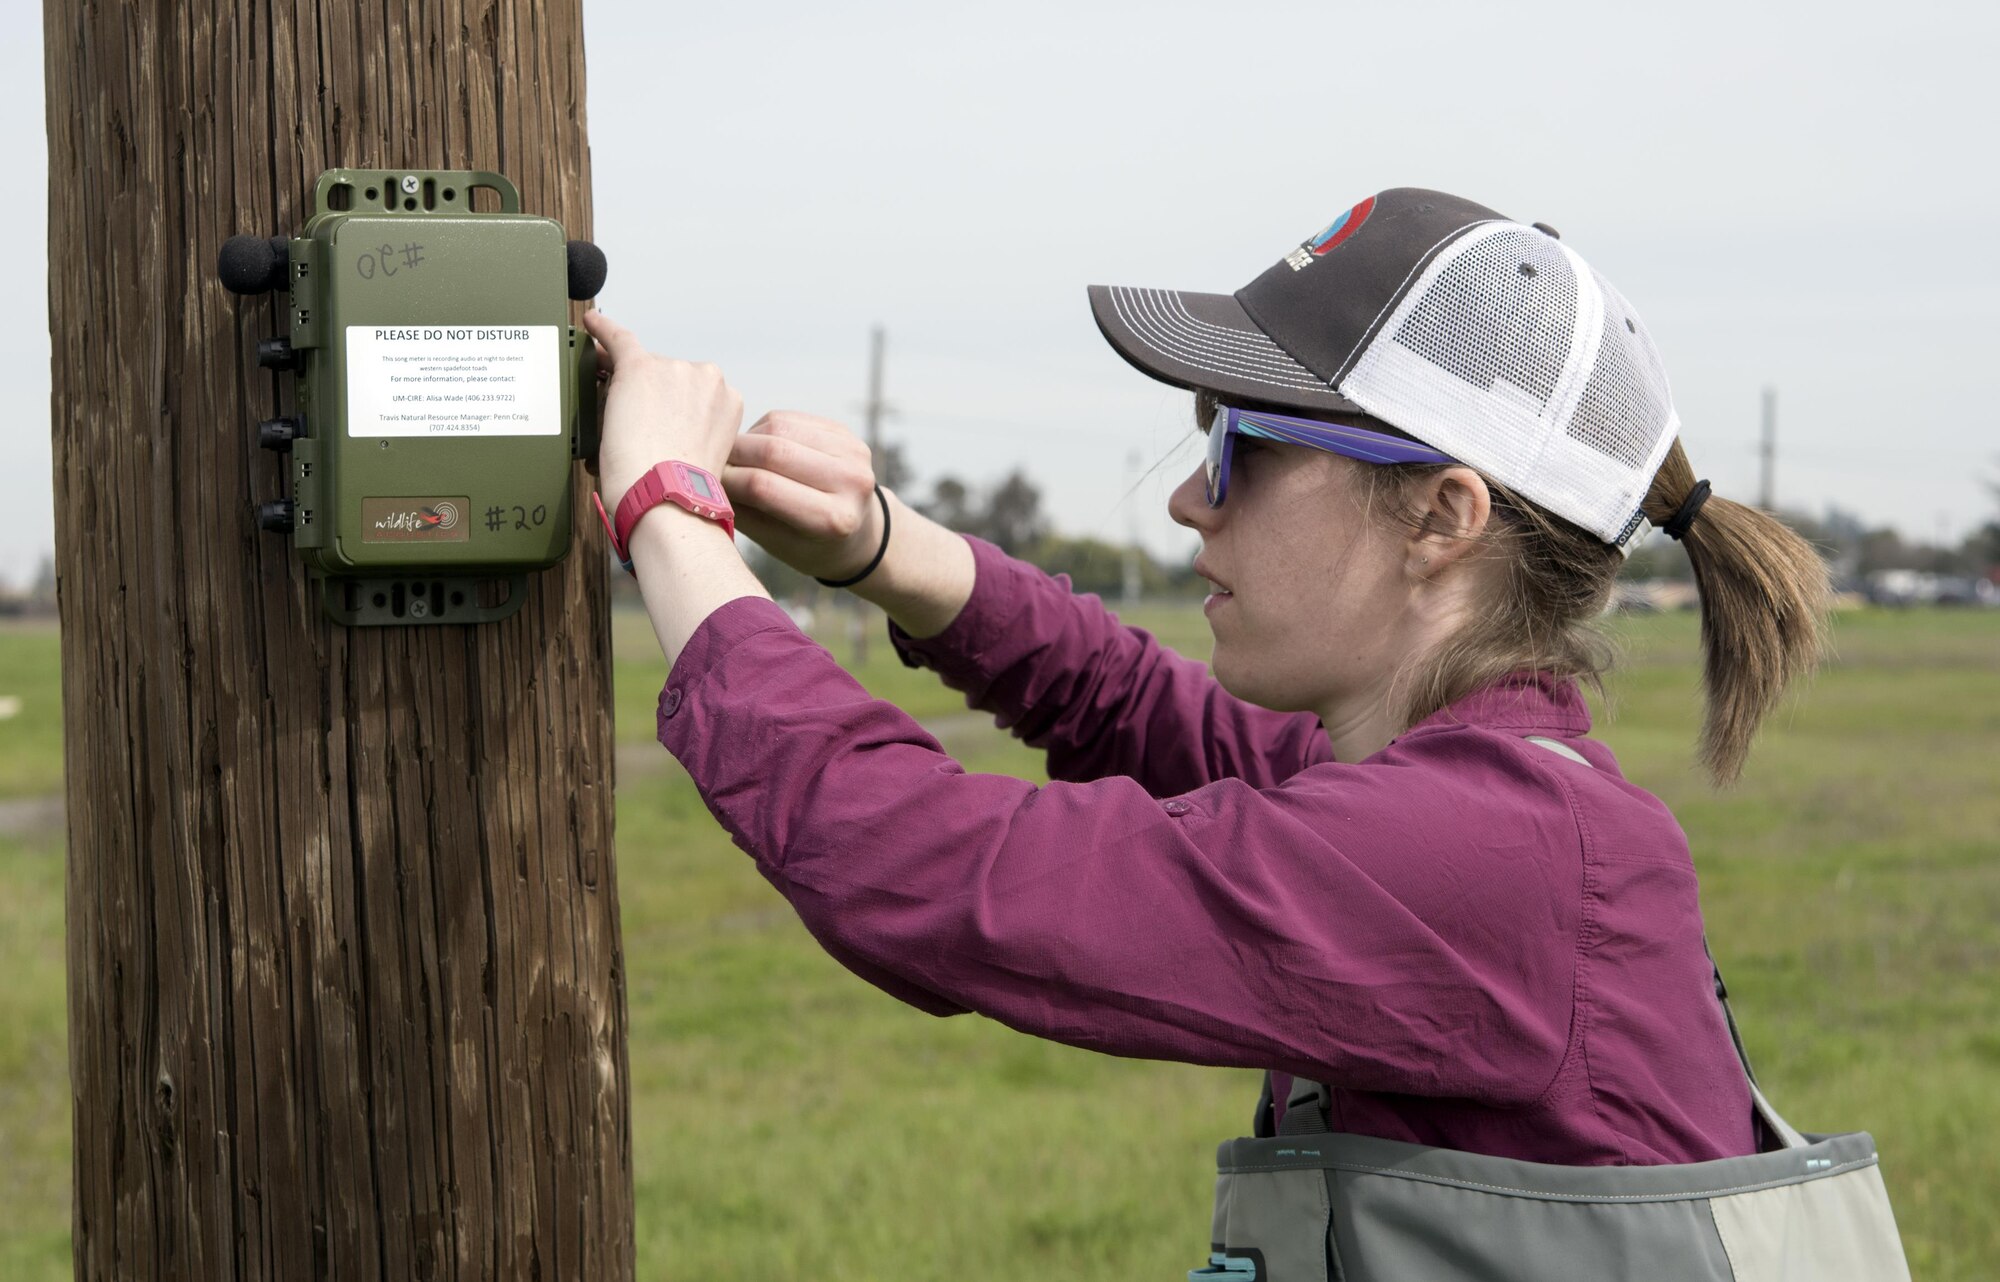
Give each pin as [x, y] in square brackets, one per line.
[419, 520]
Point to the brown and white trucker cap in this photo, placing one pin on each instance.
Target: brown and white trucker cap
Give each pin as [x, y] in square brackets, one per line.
[1482, 337]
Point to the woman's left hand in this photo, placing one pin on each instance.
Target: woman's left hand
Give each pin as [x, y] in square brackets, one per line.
[657, 409]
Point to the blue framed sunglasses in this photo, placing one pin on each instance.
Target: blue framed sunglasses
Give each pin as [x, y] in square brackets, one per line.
[1351, 442]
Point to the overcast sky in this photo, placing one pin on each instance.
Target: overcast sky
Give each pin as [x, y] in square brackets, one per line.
[1801, 196]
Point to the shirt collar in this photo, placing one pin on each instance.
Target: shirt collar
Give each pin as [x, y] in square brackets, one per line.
[1520, 702]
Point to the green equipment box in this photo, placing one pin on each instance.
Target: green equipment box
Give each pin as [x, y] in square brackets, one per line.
[441, 391]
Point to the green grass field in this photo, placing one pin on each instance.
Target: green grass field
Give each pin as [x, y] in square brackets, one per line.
[792, 1122]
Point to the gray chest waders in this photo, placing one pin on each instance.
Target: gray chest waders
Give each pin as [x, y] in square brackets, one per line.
[1307, 1204]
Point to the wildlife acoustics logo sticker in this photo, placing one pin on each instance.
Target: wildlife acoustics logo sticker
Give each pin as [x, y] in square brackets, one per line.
[1334, 236]
[422, 520]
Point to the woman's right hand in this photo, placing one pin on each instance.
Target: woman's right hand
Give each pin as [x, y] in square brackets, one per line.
[804, 490]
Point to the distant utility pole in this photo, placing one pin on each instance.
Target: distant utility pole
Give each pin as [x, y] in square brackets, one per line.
[1767, 493]
[875, 407]
[875, 410]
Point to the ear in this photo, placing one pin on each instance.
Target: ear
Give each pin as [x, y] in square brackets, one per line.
[1456, 507]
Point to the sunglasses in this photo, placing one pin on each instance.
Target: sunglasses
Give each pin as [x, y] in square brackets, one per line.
[1351, 442]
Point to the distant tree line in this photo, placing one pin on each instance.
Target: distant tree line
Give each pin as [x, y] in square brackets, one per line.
[1853, 549]
[38, 599]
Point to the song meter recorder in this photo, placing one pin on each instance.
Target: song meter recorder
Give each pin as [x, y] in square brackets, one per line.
[442, 393]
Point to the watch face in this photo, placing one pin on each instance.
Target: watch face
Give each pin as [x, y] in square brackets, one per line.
[699, 481]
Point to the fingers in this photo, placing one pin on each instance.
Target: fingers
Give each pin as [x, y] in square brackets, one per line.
[614, 341]
[799, 507]
[821, 433]
[802, 461]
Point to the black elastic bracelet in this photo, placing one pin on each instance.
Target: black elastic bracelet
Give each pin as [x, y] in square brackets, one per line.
[848, 583]
[1677, 524]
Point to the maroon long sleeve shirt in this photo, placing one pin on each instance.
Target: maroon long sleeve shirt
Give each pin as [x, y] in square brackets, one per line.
[1477, 943]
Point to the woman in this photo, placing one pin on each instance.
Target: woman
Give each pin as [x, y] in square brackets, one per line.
[1374, 851]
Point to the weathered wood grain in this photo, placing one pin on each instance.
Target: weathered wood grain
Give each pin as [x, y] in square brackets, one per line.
[346, 995]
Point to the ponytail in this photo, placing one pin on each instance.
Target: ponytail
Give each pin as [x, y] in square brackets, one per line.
[1764, 599]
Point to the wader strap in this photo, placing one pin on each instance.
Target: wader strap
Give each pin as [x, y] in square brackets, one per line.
[1309, 1110]
[1261, 1124]
[1787, 1135]
[1779, 1127]
[1728, 1017]
[1558, 747]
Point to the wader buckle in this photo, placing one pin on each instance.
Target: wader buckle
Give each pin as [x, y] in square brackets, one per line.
[1226, 1268]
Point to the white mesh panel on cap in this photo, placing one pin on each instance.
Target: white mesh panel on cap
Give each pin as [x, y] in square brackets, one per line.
[1626, 410]
[1512, 355]
[1499, 315]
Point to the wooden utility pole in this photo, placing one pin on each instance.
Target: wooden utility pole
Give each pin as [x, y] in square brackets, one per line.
[345, 987]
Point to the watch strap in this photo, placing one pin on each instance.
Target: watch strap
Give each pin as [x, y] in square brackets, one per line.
[662, 483]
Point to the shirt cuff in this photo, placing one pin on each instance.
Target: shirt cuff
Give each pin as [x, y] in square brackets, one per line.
[991, 614]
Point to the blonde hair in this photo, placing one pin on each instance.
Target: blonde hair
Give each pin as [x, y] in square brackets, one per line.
[1764, 599]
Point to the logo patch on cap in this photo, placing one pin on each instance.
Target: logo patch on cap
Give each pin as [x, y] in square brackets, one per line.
[1335, 234]
[1342, 227]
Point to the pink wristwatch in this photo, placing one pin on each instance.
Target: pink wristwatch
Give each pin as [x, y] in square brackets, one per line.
[684, 484]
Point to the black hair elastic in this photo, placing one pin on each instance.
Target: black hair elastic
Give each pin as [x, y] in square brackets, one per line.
[1677, 524]
[848, 583]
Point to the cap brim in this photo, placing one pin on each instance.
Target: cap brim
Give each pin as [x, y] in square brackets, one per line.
[1207, 342]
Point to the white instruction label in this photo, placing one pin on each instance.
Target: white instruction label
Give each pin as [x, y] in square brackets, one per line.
[454, 380]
